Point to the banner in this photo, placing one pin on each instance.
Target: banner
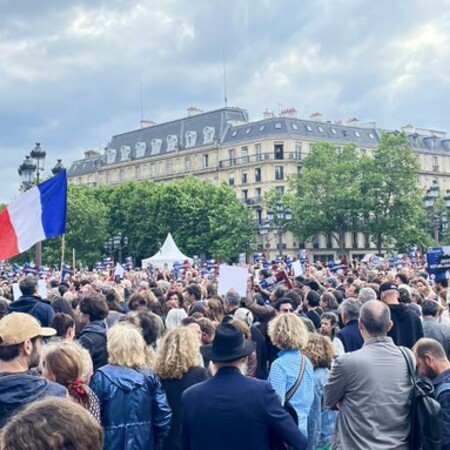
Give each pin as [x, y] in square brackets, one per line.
[438, 263]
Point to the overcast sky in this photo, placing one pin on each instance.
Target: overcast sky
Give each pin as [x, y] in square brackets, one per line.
[71, 71]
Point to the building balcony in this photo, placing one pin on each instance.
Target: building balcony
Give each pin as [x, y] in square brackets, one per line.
[253, 201]
[255, 159]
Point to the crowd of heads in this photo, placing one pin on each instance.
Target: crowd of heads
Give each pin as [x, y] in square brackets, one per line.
[161, 325]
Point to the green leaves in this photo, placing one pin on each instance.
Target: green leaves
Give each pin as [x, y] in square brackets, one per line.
[203, 219]
[339, 191]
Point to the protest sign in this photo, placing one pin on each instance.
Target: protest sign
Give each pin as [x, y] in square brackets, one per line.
[278, 279]
[42, 286]
[232, 277]
[297, 268]
[16, 291]
[119, 271]
[438, 263]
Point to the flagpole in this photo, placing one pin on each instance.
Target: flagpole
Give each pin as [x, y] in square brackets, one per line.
[73, 260]
[63, 248]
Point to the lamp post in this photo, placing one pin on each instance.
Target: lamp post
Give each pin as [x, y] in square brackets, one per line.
[438, 217]
[117, 242]
[30, 174]
[276, 222]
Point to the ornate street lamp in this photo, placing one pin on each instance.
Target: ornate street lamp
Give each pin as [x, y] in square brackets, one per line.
[276, 223]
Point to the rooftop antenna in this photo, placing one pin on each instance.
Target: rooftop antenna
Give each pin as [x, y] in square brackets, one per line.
[225, 80]
[142, 106]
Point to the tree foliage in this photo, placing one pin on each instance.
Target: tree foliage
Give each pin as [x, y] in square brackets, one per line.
[394, 212]
[204, 219]
[328, 194]
[339, 191]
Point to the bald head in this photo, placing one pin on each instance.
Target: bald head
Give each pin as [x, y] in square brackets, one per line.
[428, 346]
[375, 317]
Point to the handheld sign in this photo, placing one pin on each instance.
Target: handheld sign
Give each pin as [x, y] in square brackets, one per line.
[232, 277]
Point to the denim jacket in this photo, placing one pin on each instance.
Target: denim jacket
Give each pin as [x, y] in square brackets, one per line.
[321, 420]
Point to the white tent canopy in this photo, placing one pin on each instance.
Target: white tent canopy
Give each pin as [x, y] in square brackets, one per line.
[168, 254]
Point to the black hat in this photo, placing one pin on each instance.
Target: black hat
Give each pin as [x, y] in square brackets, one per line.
[388, 286]
[228, 345]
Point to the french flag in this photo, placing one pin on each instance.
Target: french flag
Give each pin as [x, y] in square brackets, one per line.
[38, 214]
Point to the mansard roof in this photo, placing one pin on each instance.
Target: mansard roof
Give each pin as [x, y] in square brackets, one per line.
[230, 126]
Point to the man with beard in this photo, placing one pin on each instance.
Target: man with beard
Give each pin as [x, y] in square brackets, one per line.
[20, 355]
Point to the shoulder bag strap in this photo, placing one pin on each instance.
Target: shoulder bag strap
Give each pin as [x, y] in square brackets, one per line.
[409, 363]
[294, 388]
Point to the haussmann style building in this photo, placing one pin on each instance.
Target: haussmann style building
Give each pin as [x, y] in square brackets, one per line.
[253, 157]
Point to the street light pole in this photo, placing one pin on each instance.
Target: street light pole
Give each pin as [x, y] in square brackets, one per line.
[30, 174]
[277, 222]
[439, 218]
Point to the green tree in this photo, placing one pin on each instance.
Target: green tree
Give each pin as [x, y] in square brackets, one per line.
[87, 224]
[327, 194]
[394, 213]
[203, 218]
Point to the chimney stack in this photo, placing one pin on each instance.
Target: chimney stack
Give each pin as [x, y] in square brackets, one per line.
[146, 123]
[353, 122]
[193, 111]
[268, 114]
[316, 117]
[288, 112]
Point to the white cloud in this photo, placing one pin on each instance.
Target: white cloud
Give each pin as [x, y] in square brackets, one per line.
[70, 73]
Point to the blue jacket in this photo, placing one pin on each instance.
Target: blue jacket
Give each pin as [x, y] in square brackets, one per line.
[20, 389]
[134, 410]
[231, 412]
[444, 400]
[36, 307]
[321, 420]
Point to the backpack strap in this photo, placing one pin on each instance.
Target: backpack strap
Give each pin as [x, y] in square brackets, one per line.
[297, 383]
[410, 363]
[444, 387]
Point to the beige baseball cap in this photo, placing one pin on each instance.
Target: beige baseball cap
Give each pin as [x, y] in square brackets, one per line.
[16, 328]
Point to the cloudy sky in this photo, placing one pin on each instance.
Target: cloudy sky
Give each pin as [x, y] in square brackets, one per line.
[72, 72]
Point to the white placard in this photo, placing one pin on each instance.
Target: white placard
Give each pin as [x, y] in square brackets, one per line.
[42, 286]
[119, 271]
[297, 268]
[232, 277]
[16, 291]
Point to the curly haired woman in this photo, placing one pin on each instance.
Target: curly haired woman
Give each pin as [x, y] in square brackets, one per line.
[321, 420]
[290, 335]
[178, 367]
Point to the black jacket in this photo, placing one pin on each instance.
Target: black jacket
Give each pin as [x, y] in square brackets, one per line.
[230, 412]
[174, 389]
[407, 329]
[36, 307]
[20, 389]
[93, 338]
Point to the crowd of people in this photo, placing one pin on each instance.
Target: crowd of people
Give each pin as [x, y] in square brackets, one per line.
[150, 362]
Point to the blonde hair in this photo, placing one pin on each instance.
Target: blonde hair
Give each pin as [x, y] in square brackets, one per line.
[319, 351]
[242, 326]
[179, 351]
[126, 346]
[288, 332]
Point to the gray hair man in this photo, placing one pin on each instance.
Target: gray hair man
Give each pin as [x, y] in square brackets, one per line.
[366, 294]
[349, 338]
[374, 413]
[232, 302]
